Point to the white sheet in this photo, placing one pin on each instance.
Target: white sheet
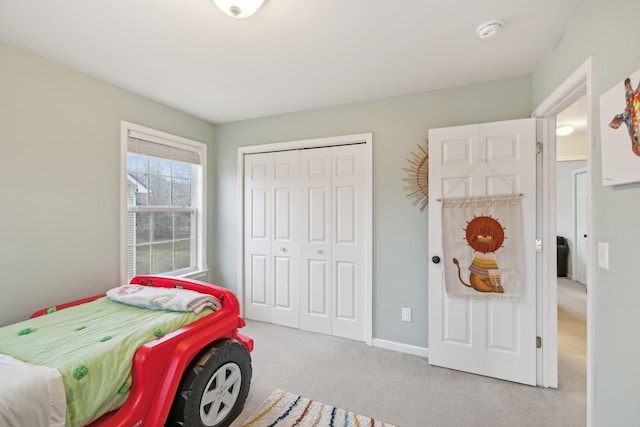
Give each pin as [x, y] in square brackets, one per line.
[30, 395]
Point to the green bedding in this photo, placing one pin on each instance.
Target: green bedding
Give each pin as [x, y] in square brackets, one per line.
[92, 345]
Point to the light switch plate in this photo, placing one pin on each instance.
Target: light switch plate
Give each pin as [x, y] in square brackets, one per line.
[603, 255]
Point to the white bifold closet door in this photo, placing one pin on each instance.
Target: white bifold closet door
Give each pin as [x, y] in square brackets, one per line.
[272, 242]
[305, 239]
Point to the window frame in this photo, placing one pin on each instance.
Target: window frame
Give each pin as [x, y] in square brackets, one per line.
[200, 192]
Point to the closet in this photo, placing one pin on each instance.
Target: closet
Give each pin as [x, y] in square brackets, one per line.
[305, 239]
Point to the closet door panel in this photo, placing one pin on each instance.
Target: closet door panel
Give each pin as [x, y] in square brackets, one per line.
[345, 226]
[317, 217]
[348, 242]
[315, 284]
[284, 250]
[258, 300]
[318, 287]
[271, 251]
[346, 285]
[258, 280]
[282, 273]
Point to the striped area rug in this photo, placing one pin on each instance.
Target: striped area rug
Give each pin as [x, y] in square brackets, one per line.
[283, 409]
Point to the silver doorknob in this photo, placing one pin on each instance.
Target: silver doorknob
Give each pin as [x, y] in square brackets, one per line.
[319, 251]
[283, 249]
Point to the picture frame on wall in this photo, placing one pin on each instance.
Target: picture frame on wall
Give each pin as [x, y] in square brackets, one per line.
[620, 132]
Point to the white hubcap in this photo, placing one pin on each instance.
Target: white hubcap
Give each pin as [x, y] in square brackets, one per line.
[220, 394]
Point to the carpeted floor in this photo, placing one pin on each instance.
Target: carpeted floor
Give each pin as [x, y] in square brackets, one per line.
[406, 391]
[572, 339]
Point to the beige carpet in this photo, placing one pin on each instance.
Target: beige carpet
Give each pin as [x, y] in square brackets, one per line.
[572, 338]
[406, 391]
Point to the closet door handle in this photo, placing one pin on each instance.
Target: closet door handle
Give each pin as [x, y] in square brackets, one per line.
[319, 251]
[283, 249]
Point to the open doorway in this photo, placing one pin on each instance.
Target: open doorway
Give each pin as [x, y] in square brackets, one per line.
[572, 199]
[577, 85]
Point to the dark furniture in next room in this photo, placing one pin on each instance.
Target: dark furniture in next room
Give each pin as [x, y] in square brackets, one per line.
[563, 255]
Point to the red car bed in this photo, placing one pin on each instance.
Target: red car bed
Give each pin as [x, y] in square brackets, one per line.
[192, 367]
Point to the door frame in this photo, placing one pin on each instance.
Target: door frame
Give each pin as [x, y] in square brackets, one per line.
[579, 83]
[574, 256]
[367, 139]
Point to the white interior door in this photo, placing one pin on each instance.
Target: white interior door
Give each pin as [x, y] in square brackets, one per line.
[496, 338]
[581, 203]
[271, 238]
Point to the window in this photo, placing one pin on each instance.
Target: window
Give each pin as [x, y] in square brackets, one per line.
[163, 190]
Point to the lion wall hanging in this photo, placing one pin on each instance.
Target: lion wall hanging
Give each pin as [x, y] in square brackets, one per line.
[482, 246]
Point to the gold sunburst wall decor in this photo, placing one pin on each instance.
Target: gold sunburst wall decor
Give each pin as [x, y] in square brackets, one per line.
[418, 179]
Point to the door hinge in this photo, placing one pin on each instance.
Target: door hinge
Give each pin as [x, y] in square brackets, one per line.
[538, 342]
[538, 245]
[538, 147]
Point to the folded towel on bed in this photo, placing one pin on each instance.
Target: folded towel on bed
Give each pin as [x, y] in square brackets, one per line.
[173, 299]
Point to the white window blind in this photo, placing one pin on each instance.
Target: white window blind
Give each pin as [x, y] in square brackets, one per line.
[149, 145]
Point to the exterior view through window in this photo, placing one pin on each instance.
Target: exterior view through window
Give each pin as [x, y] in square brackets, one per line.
[164, 205]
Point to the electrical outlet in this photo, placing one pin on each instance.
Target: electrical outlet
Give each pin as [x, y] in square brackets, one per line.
[406, 314]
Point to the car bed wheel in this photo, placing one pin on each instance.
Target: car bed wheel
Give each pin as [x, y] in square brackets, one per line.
[213, 390]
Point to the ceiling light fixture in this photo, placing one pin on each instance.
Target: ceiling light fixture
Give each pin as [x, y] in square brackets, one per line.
[489, 29]
[564, 130]
[239, 8]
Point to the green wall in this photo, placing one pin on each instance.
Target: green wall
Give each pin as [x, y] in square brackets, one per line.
[608, 31]
[398, 125]
[60, 179]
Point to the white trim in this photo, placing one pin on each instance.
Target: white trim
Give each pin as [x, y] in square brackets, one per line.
[307, 143]
[366, 138]
[164, 138]
[171, 140]
[572, 158]
[576, 85]
[546, 280]
[240, 228]
[197, 275]
[124, 138]
[402, 348]
[567, 93]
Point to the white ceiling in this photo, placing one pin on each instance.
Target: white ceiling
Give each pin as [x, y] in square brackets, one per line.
[575, 115]
[292, 55]
[573, 146]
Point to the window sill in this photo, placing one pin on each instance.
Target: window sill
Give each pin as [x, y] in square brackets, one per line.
[197, 275]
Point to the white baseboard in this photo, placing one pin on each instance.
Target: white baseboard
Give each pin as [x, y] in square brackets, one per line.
[403, 348]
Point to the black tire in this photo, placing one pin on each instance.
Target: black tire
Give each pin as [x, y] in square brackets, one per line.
[214, 388]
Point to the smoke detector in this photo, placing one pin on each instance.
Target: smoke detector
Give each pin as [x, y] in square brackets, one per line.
[489, 29]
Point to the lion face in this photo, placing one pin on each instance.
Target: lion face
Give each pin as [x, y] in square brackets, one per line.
[484, 234]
